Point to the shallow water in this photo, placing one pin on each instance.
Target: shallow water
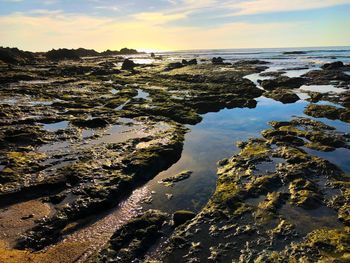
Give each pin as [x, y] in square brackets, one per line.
[214, 139]
[322, 88]
[52, 127]
[141, 94]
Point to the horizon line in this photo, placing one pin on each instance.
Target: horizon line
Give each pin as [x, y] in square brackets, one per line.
[186, 50]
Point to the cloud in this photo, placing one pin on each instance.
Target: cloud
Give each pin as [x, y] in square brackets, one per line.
[54, 31]
[158, 17]
[12, 1]
[110, 8]
[272, 6]
[43, 29]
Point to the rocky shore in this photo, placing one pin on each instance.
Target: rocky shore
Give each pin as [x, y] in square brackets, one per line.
[79, 134]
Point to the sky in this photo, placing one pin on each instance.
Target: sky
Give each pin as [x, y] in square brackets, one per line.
[163, 25]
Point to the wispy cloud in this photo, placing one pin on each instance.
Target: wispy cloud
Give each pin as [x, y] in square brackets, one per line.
[158, 17]
[172, 25]
[273, 6]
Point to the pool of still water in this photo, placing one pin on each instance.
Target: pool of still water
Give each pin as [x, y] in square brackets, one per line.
[214, 139]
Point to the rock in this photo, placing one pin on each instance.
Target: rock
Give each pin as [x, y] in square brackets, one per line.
[294, 53]
[332, 66]
[62, 54]
[323, 111]
[174, 65]
[131, 242]
[282, 82]
[177, 178]
[325, 77]
[128, 51]
[217, 60]
[92, 123]
[14, 55]
[190, 62]
[128, 65]
[304, 193]
[283, 96]
[182, 216]
[105, 71]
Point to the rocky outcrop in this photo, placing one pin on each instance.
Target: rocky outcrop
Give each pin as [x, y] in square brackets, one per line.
[15, 56]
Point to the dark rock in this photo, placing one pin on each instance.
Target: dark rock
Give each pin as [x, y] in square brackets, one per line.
[217, 61]
[332, 66]
[132, 240]
[128, 65]
[190, 62]
[323, 111]
[75, 70]
[93, 123]
[128, 51]
[62, 54]
[285, 82]
[294, 53]
[14, 55]
[182, 216]
[82, 52]
[123, 51]
[105, 71]
[174, 65]
[325, 77]
[282, 95]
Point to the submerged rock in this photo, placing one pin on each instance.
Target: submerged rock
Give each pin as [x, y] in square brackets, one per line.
[177, 178]
[182, 216]
[294, 52]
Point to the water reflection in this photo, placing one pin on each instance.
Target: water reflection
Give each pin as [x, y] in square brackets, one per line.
[214, 139]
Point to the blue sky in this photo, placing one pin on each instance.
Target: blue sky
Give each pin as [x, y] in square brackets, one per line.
[173, 24]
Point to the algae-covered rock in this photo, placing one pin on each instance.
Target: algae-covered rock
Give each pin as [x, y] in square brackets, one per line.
[177, 178]
[304, 193]
[282, 95]
[132, 240]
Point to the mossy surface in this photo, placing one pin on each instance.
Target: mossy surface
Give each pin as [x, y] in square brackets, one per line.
[272, 213]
